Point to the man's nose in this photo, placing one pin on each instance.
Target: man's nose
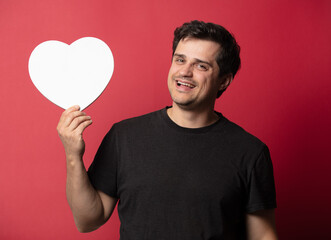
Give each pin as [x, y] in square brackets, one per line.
[186, 70]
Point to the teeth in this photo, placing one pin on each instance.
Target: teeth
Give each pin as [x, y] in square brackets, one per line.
[185, 84]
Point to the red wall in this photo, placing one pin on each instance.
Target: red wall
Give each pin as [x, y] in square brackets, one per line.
[281, 95]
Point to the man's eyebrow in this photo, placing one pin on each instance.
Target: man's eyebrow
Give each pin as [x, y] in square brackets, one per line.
[179, 55]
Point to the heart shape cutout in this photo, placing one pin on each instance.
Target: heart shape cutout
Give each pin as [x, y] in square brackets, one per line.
[74, 74]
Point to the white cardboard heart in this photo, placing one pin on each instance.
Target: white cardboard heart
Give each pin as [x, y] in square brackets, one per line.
[74, 74]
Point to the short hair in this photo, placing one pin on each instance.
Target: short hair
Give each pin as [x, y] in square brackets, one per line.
[228, 59]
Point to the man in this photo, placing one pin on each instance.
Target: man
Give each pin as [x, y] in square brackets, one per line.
[184, 172]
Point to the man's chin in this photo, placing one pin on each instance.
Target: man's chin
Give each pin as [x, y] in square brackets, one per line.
[184, 104]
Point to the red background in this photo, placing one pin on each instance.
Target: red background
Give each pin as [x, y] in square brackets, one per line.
[281, 95]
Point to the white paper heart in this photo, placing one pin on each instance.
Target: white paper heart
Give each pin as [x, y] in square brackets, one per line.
[74, 74]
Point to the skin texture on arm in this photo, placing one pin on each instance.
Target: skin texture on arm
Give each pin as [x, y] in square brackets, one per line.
[261, 225]
[90, 208]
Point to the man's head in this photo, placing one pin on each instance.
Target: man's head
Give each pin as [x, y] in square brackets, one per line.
[228, 58]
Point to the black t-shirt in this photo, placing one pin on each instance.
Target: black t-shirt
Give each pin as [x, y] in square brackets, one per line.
[181, 183]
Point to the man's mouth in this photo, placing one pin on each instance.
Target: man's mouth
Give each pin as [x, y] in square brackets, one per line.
[180, 83]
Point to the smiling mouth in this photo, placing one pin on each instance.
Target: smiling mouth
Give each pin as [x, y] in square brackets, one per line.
[179, 83]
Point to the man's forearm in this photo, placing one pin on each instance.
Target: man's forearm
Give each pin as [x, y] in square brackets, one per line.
[83, 199]
[261, 225]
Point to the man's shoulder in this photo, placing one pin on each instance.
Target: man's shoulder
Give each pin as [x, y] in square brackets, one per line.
[139, 121]
[236, 134]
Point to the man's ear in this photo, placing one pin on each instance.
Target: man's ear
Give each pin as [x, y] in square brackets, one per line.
[225, 81]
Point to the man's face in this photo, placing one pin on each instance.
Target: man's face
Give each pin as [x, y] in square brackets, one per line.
[193, 79]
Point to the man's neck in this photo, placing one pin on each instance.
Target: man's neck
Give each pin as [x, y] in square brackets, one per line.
[192, 118]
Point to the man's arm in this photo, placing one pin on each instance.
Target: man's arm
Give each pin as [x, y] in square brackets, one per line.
[261, 225]
[90, 208]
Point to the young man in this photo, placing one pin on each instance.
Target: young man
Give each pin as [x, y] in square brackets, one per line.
[183, 172]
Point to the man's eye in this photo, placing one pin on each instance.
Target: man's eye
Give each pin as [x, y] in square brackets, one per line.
[179, 60]
[202, 66]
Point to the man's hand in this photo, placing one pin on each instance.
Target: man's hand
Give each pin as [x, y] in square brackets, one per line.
[70, 129]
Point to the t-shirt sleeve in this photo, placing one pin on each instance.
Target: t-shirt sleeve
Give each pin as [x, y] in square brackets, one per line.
[103, 170]
[261, 185]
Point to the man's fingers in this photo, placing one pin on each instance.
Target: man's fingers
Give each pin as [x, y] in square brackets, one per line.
[77, 121]
[73, 108]
[81, 127]
[68, 116]
[66, 113]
